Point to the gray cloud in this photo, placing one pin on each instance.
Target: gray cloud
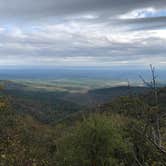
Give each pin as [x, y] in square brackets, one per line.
[143, 23]
[44, 8]
[79, 31]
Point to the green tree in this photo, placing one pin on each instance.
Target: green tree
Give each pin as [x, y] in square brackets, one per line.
[97, 141]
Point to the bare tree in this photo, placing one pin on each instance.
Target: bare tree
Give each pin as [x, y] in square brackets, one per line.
[154, 121]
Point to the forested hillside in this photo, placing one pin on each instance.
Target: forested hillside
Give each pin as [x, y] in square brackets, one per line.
[54, 106]
[122, 132]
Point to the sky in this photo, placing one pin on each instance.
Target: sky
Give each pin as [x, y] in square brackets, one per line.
[82, 33]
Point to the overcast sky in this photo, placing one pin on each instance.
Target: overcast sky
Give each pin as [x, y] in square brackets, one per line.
[82, 32]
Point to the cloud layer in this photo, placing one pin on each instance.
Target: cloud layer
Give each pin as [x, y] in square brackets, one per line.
[82, 33]
[44, 8]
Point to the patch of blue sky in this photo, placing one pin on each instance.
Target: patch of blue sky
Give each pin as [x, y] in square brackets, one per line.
[153, 13]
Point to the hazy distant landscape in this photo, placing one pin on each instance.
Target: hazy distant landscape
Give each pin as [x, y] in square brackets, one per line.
[79, 79]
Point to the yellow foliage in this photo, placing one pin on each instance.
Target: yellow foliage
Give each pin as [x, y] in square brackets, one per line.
[2, 104]
[3, 156]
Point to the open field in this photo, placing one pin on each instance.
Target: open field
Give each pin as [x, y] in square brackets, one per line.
[68, 85]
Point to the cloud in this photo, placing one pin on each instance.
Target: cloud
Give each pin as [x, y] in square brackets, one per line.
[69, 44]
[76, 32]
[45, 8]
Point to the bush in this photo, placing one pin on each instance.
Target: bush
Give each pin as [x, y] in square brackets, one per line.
[94, 142]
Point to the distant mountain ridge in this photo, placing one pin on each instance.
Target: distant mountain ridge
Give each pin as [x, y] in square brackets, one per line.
[101, 95]
[51, 107]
